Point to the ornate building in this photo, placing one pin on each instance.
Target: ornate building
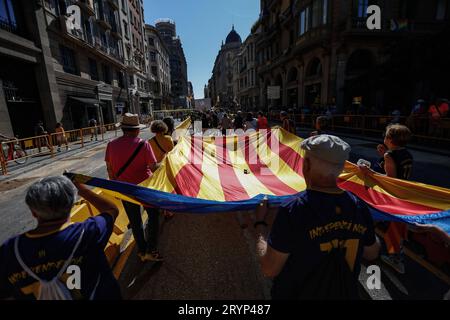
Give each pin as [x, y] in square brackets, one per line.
[223, 83]
[320, 52]
[247, 82]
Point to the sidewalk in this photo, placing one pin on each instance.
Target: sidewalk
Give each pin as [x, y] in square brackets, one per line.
[41, 160]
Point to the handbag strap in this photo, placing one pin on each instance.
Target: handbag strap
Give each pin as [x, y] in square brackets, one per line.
[130, 160]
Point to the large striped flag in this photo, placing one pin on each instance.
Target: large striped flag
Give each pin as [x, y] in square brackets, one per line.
[234, 173]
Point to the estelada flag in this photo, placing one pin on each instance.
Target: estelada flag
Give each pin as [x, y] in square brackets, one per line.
[234, 173]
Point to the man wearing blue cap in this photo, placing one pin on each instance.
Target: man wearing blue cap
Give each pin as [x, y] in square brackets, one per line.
[320, 236]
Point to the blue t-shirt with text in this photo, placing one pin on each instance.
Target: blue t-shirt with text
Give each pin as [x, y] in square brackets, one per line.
[308, 226]
[45, 255]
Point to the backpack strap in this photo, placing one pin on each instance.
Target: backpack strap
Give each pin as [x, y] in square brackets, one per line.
[31, 273]
[130, 160]
[158, 145]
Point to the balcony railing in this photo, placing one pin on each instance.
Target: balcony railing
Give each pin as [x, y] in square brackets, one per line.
[114, 4]
[9, 26]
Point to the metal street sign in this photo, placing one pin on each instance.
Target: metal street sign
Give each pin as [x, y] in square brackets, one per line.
[273, 92]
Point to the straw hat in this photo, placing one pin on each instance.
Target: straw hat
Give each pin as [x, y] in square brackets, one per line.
[130, 121]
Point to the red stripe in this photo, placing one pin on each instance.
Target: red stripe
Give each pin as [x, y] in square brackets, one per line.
[385, 202]
[268, 179]
[189, 178]
[231, 186]
[289, 155]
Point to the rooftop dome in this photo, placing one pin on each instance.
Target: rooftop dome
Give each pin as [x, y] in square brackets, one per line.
[233, 36]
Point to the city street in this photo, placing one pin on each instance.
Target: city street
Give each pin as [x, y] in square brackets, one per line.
[210, 256]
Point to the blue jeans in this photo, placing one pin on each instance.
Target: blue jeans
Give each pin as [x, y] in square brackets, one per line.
[134, 215]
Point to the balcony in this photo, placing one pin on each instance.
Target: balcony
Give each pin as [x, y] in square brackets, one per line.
[87, 6]
[114, 4]
[115, 32]
[316, 36]
[103, 20]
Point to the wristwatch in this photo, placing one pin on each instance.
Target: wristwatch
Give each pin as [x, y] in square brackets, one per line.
[260, 223]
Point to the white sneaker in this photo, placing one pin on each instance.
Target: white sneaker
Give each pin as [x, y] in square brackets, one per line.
[395, 261]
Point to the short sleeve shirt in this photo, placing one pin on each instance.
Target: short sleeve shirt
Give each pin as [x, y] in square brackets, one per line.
[46, 254]
[306, 226]
[120, 150]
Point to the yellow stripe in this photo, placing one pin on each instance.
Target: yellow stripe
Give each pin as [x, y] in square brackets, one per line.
[210, 186]
[163, 179]
[250, 183]
[277, 165]
[413, 192]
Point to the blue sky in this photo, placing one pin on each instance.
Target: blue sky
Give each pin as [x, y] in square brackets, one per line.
[202, 25]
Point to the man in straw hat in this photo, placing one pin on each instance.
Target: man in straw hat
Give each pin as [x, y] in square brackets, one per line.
[319, 236]
[131, 159]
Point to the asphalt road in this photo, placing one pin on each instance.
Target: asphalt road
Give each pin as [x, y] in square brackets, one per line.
[210, 256]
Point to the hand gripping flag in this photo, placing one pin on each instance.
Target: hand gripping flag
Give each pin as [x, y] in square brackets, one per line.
[234, 173]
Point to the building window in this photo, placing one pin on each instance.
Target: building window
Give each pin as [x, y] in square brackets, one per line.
[93, 71]
[324, 11]
[304, 21]
[151, 41]
[441, 10]
[154, 71]
[68, 60]
[125, 29]
[106, 74]
[153, 56]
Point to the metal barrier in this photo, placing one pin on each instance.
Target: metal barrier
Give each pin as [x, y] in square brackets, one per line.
[45, 145]
[425, 130]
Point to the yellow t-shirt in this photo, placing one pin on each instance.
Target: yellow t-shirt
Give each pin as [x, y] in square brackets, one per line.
[161, 145]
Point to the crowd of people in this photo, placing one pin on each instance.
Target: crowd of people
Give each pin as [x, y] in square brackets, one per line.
[304, 251]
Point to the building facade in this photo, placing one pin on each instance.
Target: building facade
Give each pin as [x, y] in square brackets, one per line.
[223, 83]
[158, 73]
[247, 84]
[320, 52]
[27, 79]
[136, 59]
[178, 65]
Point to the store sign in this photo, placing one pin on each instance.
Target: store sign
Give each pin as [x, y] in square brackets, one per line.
[273, 92]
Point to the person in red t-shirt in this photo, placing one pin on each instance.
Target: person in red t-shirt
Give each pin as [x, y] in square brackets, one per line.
[119, 152]
[262, 122]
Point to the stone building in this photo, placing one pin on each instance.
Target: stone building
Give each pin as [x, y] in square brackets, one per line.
[247, 82]
[135, 58]
[223, 83]
[159, 68]
[178, 65]
[320, 52]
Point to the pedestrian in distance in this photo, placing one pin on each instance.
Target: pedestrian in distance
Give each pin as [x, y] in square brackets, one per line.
[93, 126]
[131, 159]
[42, 139]
[250, 122]
[305, 249]
[238, 122]
[226, 124]
[321, 126]
[34, 264]
[61, 137]
[287, 123]
[396, 162]
[262, 123]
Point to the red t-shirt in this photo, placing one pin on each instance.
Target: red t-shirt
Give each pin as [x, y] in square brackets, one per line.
[262, 123]
[120, 150]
